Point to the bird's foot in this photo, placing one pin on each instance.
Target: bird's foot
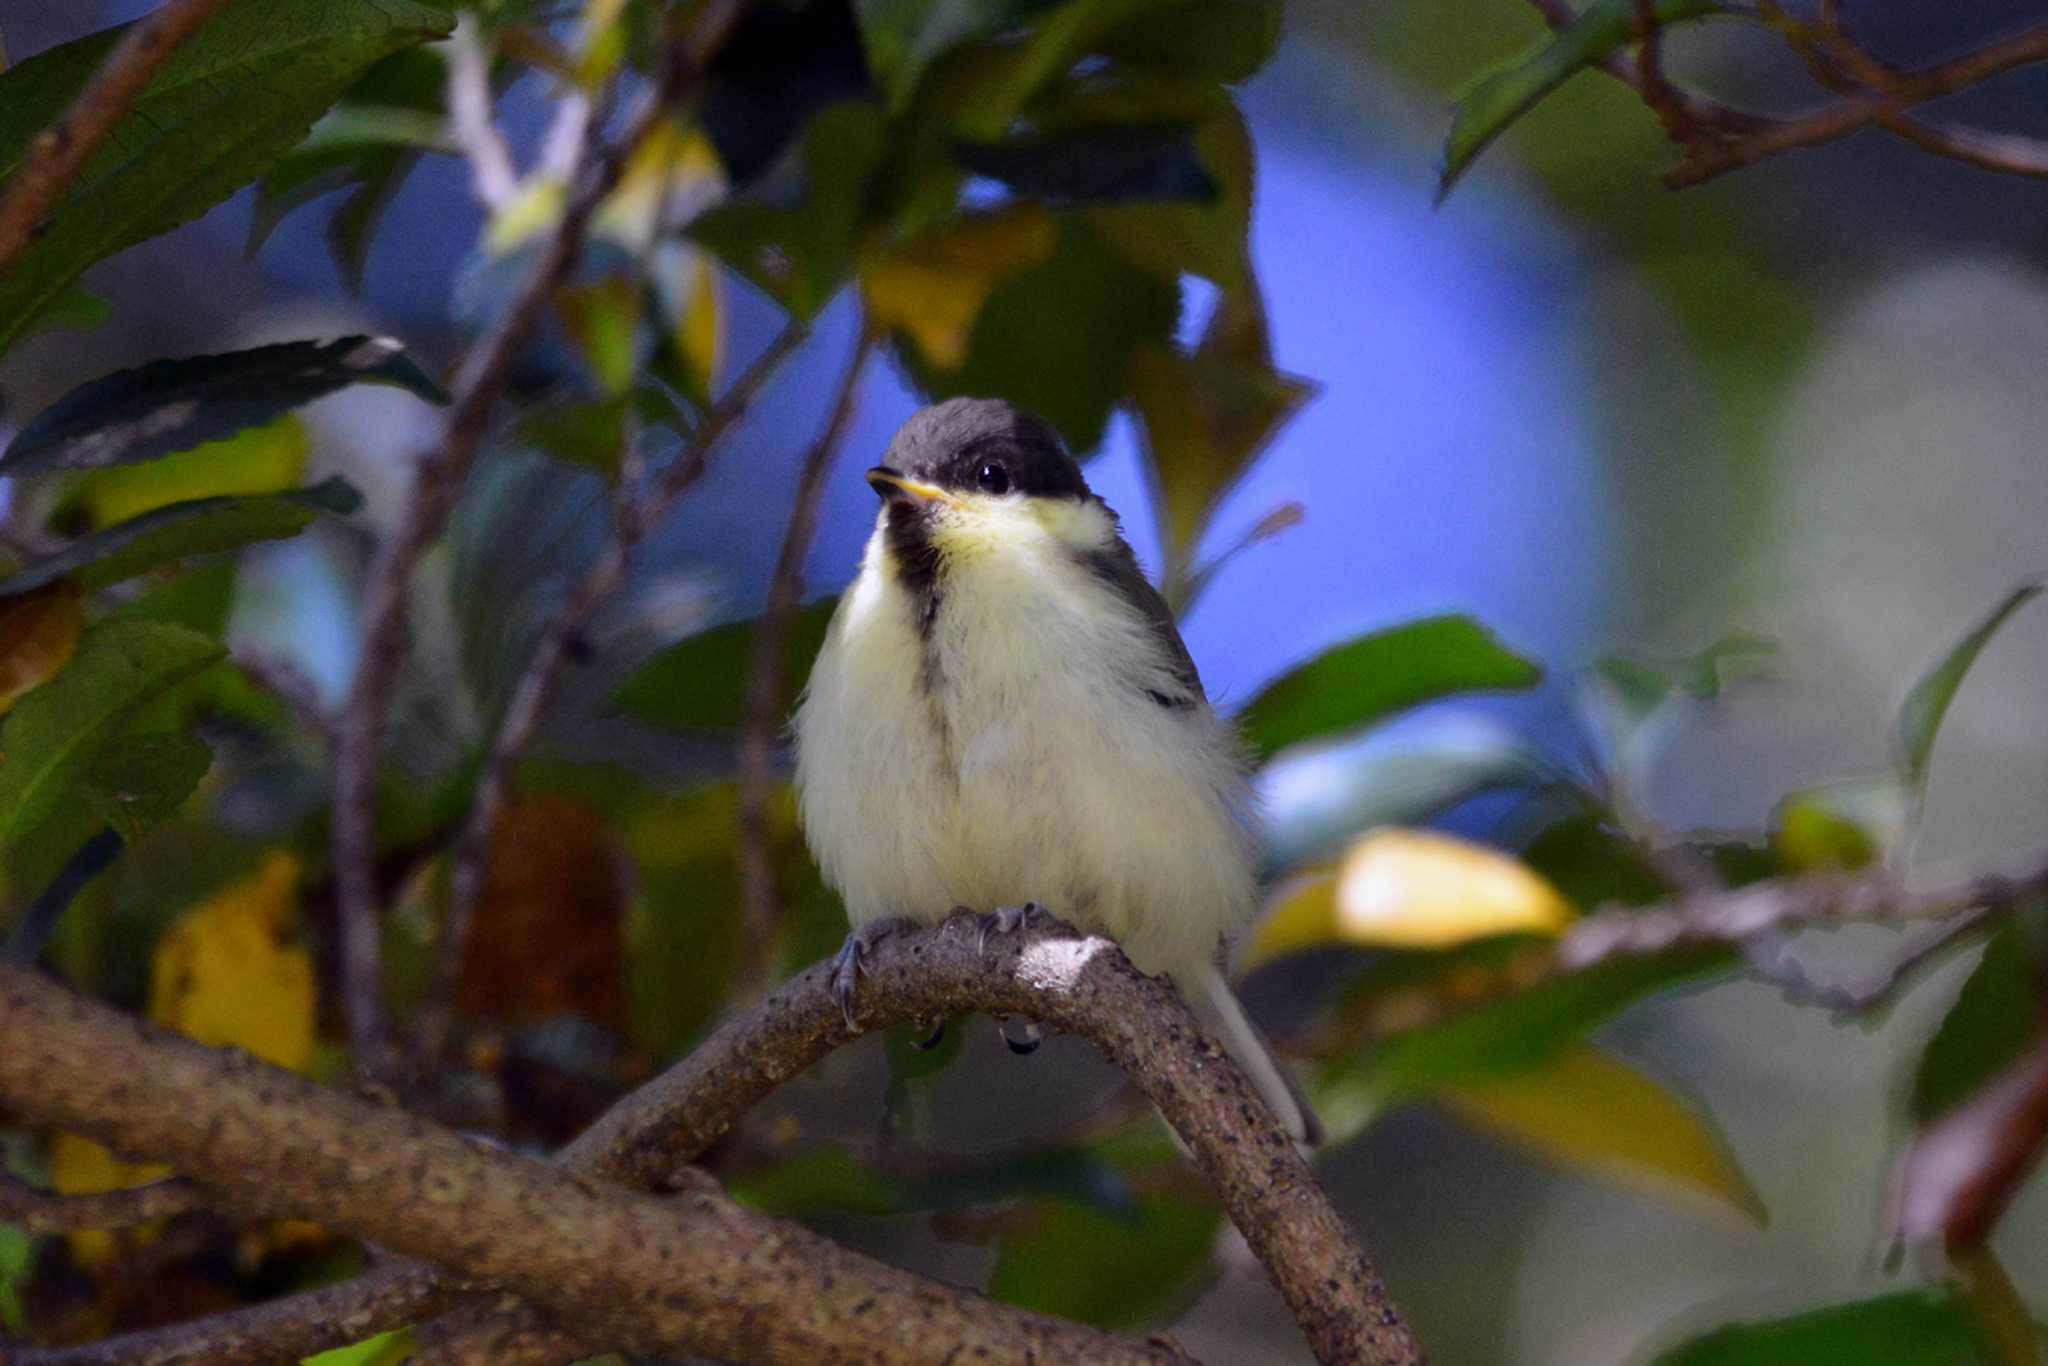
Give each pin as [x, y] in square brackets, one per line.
[847, 966]
[1009, 920]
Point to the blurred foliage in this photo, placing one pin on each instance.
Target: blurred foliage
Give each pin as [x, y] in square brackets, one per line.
[1047, 200]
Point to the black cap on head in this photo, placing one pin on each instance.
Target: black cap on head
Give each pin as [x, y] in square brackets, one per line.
[984, 445]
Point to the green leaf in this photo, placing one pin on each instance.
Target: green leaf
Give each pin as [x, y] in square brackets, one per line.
[1103, 1269]
[365, 146]
[830, 1181]
[701, 682]
[1057, 338]
[1368, 679]
[903, 36]
[1225, 39]
[1503, 1038]
[54, 733]
[386, 1349]
[1911, 1328]
[1841, 825]
[1592, 862]
[1312, 803]
[170, 405]
[1920, 715]
[1995, 1016]
[142, 780]
[800, 255]
[199, 527]
[1108, 165]
[17, 1263]
[1588, 1109]
[1498, 100]
[222, 109]
[72, 307]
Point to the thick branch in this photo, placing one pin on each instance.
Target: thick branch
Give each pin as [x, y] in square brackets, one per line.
[694, 1273]
[1085, 986]
[440, 475]
[58, 153]
[768, 662]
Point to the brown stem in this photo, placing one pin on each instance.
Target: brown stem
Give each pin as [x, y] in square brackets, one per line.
[41, 1211]
[439, 478]
[691, 1273]
[58, 153]
[1886, 108]
[636, 517]
[766, 665]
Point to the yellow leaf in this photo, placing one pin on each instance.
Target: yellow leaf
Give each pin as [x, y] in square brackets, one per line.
[602, 317]
[79, 1166]
[671, 178]
[1410, 889]
[38, 632]
[536, 208]
[934, 285]
[223, 974]
[600, 43]
[1588, 1109]
[700, 329]
[227, 974]
[254, 460]
[1301, 913]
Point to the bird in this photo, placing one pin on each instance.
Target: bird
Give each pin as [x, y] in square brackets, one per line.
[1004, 717]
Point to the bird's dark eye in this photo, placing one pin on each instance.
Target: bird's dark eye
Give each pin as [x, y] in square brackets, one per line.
[992, 477]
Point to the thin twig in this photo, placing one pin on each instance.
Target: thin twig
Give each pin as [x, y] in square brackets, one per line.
[1741, 918]
[58, 153]
[469, 117]
[1799, 987]
[768, 662]
[636, 514]
[1886, 108]
[41, 1211]
[439, 478]
[1658, 93]
[283, 679]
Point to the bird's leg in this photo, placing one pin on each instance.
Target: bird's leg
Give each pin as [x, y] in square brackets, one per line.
[1009, 920]
[846, 964]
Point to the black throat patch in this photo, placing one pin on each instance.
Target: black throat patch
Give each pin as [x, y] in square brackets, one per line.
[916, 561]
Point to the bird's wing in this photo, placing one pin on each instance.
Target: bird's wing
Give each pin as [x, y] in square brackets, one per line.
[1117, 567]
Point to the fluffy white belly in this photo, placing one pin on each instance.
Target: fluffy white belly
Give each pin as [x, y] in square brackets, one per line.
[1017, 756]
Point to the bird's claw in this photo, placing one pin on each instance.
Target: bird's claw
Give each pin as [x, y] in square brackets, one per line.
[1009, 920]
[847, 966]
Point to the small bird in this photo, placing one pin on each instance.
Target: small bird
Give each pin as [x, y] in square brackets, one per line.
[1003, 716]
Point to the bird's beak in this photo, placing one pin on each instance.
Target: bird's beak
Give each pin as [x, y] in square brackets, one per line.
[894, 487]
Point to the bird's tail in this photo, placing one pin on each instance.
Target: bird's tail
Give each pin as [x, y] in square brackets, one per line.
[1219, 1010]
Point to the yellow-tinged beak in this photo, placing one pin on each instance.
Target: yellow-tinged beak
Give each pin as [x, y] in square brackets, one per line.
[894, 485]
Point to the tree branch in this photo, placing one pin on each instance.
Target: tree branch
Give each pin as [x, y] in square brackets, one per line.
[1964, 898]
[1085, 986]
[440, 475]
[694, 1273]
[58, 153]
[637, 514]
[767, 663]
[41, 1211]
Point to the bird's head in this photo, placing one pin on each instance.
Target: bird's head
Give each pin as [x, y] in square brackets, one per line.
[978, 473]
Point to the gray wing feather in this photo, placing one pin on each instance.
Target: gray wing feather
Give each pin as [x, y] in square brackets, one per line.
[1117, 567]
